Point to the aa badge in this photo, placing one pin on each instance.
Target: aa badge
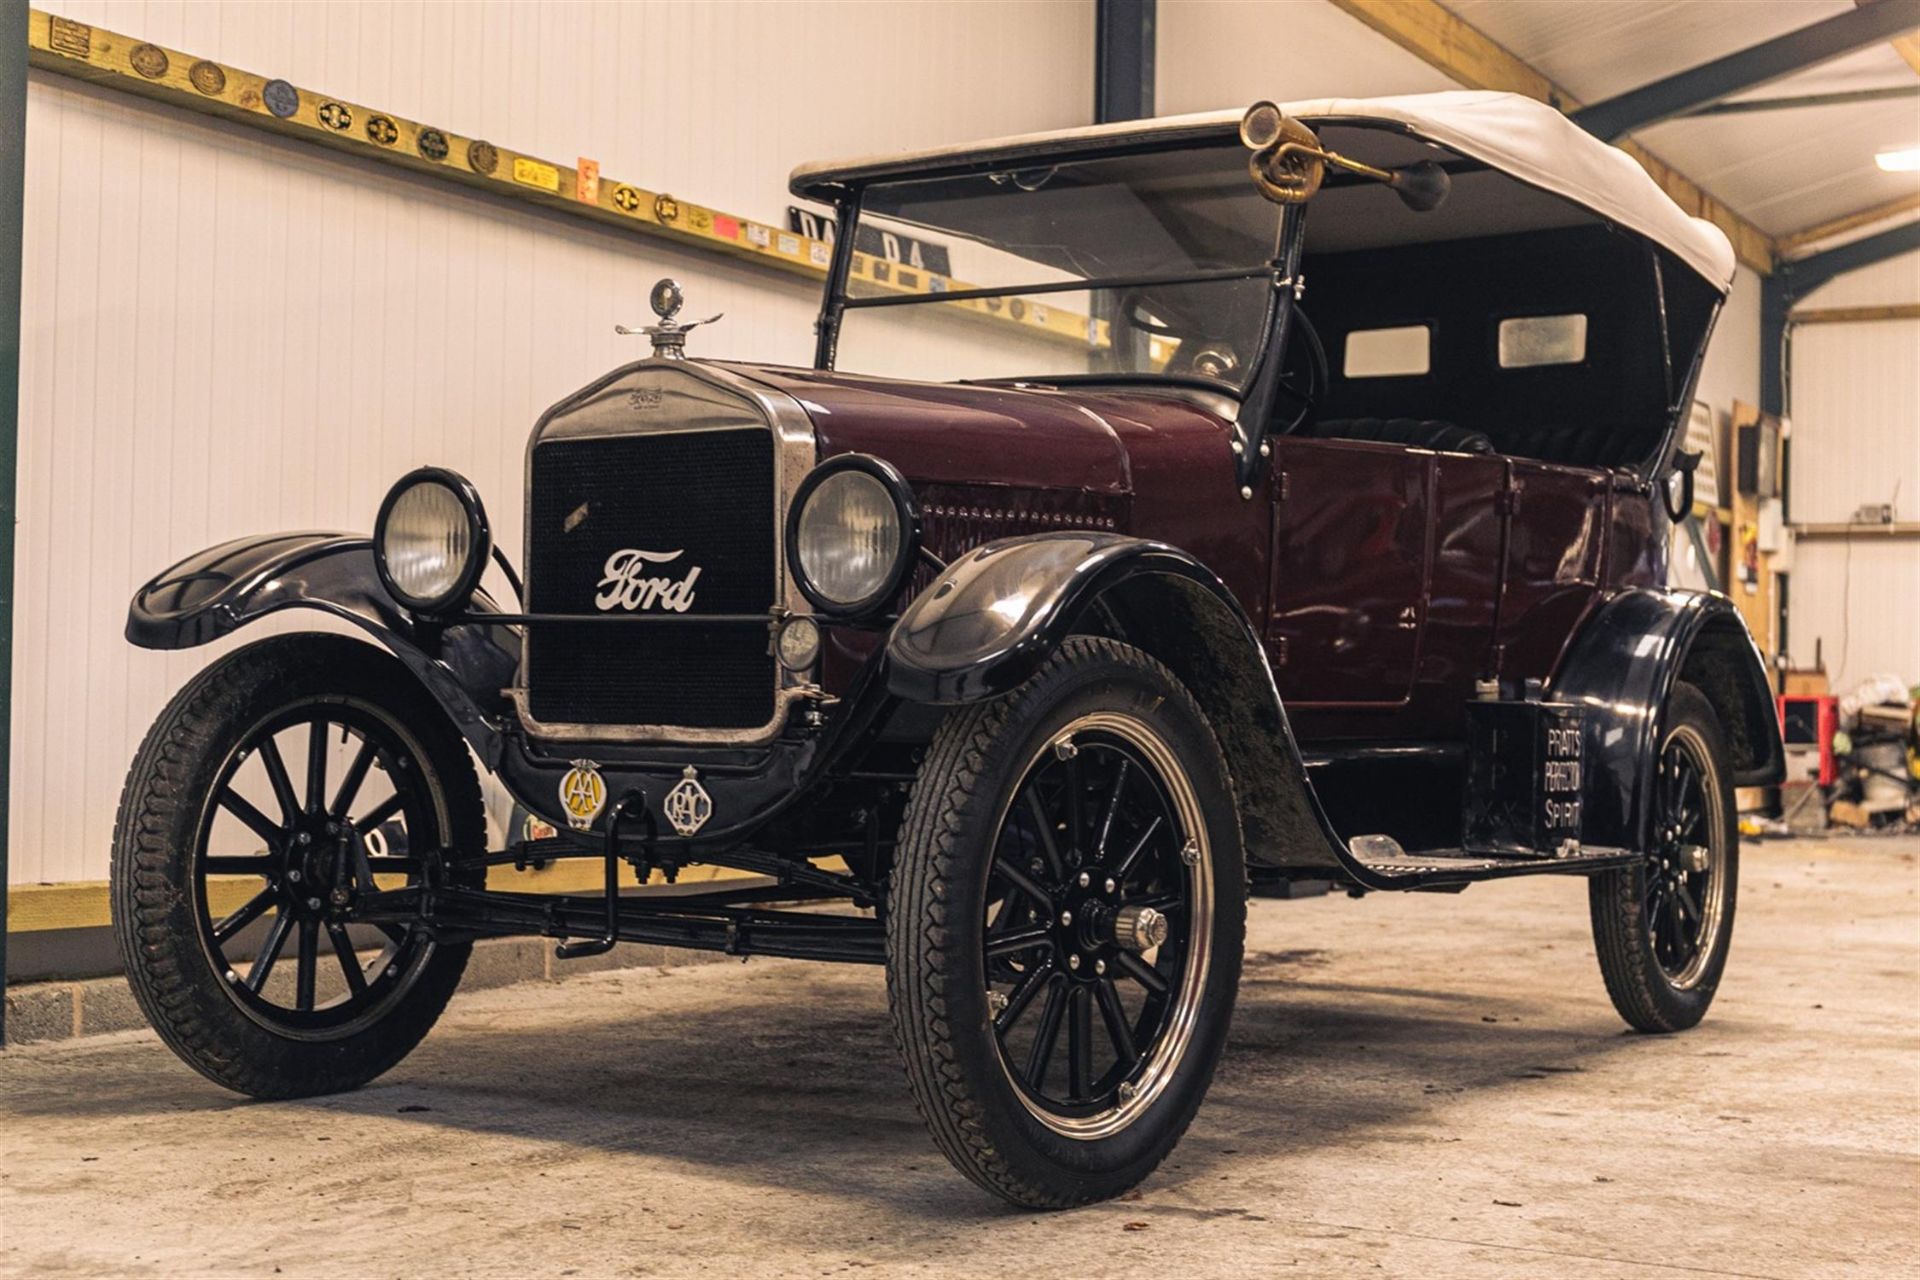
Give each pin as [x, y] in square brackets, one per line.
[583, 794]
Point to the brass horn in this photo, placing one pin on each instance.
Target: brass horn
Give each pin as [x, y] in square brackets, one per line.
[1288, 163]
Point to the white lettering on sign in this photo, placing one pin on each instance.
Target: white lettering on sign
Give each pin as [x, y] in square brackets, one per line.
[1563, 742]
[1562, 775]
[627, 583]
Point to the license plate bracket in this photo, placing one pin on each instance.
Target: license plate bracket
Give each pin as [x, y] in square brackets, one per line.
[1524, 778]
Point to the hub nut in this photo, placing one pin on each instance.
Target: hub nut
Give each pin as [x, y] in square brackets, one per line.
[1139, 928]
[1073, 962]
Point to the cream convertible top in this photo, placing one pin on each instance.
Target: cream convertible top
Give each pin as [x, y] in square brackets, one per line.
[1516, 135]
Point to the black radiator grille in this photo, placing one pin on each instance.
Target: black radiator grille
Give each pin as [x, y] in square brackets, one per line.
[707, 495]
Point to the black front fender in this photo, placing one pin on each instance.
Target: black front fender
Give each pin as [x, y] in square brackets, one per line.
[995, 614]
[992, 617]
[1621, 667]
[219, 590]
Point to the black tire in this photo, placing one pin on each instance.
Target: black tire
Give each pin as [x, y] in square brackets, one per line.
[1661, 929]
[1012, 1138]
[226, 1027]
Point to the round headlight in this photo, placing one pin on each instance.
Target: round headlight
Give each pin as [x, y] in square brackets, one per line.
[431, 540]
[852, 536]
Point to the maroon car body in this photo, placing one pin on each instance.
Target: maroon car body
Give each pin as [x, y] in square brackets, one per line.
[1278, 501]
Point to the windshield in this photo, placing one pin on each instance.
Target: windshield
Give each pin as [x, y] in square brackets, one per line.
[1153, 265]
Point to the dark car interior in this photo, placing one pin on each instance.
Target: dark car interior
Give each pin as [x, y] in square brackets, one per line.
[1596, 393]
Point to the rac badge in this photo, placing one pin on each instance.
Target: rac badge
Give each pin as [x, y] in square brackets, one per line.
[688, 806]
[583, 793]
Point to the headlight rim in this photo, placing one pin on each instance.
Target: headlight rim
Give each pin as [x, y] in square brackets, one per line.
[480, 531]
[906, 510]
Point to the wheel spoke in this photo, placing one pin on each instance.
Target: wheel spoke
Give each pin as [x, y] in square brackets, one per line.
[254, 908]
[242, 808]
[1113, 807]
[247, 865]
[1022, 881]
[1118, 1029]
[269, 952]
[306, 963]
[1045, 825]
[1047, 1035]
[1023, 996]
[316, 766]
[1076, 838]
[1018, 940]
[356, 774]
[1079, 1044]
[349, 961]
[1141, 972]
[380, 813]
[276, 767]
[1121, 872]
[1687, 904]
[397, 934]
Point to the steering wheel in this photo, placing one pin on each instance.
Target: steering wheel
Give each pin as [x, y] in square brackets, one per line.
[1304, 376]
[1200, 352]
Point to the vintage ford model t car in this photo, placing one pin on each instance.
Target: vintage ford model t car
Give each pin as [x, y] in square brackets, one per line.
[1262, 498]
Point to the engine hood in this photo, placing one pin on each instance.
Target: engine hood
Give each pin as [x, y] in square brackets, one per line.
[952, 433]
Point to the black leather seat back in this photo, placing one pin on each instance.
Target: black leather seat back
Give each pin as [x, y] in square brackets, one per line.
[1422, 433]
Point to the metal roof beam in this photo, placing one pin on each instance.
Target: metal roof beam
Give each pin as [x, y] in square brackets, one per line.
[1794, 280]
[1782, 56]
[1839, 98]
[1123, 47]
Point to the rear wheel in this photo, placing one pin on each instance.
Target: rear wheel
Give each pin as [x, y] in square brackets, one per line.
[1662, 927]
[1065, 927]
[285, 782]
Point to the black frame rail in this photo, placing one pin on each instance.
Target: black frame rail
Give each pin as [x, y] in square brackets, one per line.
[728, 921]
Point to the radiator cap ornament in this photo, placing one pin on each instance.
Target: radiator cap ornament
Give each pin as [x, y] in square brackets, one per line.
[669, 336]
[688, 806]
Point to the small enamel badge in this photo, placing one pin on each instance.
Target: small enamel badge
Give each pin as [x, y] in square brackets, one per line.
[583, 794]
[688, 806]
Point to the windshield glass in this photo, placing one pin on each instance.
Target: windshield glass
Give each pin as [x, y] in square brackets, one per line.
[1149, 265]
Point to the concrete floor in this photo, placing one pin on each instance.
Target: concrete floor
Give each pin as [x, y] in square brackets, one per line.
[1418, 1085]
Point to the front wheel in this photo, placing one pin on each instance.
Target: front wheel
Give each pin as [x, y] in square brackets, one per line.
[1067, 913]
[1661, 927]
[287, 781]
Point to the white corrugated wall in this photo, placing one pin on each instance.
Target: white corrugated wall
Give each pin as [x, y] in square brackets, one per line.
[1855, 402]
[227, 334]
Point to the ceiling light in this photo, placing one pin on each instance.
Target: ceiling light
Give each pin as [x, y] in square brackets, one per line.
[1905, 160]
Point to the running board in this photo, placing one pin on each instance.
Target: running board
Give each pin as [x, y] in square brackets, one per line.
[1443, 868]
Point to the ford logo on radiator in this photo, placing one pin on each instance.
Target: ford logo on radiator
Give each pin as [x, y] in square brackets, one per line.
[631, 583]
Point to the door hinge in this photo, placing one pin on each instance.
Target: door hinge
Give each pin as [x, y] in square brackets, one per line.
[1286, 487]
[1280, 651]
[1508, 502]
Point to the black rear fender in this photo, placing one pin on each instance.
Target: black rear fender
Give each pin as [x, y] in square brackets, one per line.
[1621, 667]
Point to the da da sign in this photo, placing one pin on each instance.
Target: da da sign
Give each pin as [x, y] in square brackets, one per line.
[888, 245]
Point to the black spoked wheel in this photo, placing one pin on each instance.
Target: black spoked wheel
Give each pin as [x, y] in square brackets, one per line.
[315, 846]
[1662, 928]
[1065, 925]
[1095, 940]
[282, 785]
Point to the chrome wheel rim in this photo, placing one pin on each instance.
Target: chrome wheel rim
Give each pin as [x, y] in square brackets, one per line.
[1102, 833]
[1684, 886]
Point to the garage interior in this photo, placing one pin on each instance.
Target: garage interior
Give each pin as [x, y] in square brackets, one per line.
[227, 310]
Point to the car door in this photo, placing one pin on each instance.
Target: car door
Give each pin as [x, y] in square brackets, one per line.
[1349, 572]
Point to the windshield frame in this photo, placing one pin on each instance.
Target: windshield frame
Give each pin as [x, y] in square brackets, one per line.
[835, 301]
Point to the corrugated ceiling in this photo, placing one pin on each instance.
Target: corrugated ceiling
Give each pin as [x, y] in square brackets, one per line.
[1783, 170]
